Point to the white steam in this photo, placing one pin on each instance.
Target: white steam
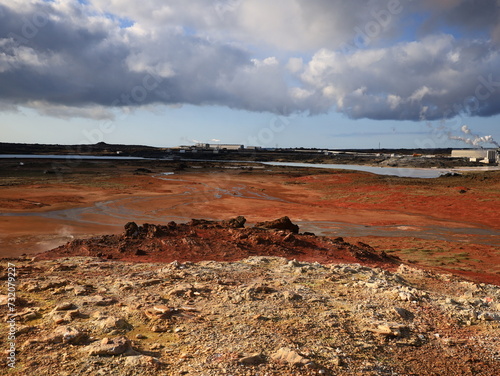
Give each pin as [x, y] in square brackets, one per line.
[474, 139]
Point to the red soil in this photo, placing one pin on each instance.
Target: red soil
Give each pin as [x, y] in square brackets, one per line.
[220, 241]
[355, 198]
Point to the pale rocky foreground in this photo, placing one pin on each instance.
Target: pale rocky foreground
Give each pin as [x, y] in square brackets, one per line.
[259, 316]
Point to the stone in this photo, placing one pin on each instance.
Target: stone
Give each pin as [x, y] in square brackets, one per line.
[336, 361]
[58, 318]
[71, 315]
[252, 360]
[407, 297]
[238, 222]
[182, 289]
[81, 290]
[114, 323]
[283, 223]
[404, 313]
[131, 230]
[390, 330]
[30, 314]
[110, 347]
[159, 329]
[160, 312]
[153, 231]
[26, 329]
[289, 295]
[67, 334]
[286, 355]
[98, 300]
[294, 263]
[65, 306]
[488, 316]
[141, 361]
[161, 309]
[450, 301]
[53, 285]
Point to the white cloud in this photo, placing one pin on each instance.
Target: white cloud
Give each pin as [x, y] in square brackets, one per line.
[295, 64]
[267, 61]
[397, 82]
[67, 112]
[282, 56]
[299, 93]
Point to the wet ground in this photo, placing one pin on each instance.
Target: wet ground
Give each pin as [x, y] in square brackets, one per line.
[408, 216]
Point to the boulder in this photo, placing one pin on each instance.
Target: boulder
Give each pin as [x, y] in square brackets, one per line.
[238, 222]
[153, 231]
[283, 223]
[131, 230]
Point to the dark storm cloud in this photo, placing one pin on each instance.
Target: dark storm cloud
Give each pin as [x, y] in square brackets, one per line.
[75, 59]
[62, 55]
[467, 15]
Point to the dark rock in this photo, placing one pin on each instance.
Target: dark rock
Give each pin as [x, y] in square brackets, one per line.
[253, 360]
[404, 313]
[238, 222]
[283, 223]
[143, 170]
[153, 231]
[131, 230]
[449, 175]
[365, 246]
[204, 223]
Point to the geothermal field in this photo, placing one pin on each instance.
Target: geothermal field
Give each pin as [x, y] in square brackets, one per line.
[167, 267]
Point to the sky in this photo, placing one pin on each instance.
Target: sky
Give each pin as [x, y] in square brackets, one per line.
[284, 73]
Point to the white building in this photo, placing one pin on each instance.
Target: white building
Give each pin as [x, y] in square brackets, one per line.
[480, 155]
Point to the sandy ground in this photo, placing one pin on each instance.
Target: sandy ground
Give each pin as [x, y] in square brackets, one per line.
[451, 222]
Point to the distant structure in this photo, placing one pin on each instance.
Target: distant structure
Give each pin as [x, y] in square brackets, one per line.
[219, 146]
[478, 155]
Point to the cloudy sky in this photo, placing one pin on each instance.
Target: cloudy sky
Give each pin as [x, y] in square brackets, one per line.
[314, 73]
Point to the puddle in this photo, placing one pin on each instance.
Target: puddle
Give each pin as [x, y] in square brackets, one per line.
[474, 235]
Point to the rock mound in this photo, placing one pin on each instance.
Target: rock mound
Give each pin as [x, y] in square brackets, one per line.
[226, 240]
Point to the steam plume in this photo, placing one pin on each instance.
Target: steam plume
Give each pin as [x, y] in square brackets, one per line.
[475, 139]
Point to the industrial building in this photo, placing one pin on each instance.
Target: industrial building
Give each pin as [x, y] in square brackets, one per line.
[219, 146]
[478, 155]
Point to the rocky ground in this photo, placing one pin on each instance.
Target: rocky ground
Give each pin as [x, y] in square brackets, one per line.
[227, 240]
[357, 313]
